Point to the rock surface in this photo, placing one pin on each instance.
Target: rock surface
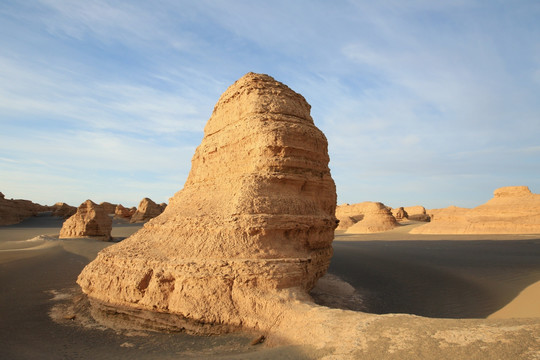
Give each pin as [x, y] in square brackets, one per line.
[417, 213]
[108, 207]
[512, 210]
[90, 220]
[368, 217]
[63, 210]
[122, 212]
[400, 214]
[251, 229]
[147, 210]
[14, 211]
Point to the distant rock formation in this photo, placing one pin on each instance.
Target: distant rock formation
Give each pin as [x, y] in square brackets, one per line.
[63, 210]
[513, 210]
[122, 212]
[372, 217]
[252, 227]
[417, 213]
[147, 210]
[15, 211]
[108, 207]
[90, 220]
[400, 214]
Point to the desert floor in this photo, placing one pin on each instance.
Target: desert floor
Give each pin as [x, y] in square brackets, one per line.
[459, 277]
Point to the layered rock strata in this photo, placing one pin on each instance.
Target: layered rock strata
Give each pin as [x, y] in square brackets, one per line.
[512, 210]
[252, 228]
[147, 210]
[14, 211]
[366, 217]
[90, 220]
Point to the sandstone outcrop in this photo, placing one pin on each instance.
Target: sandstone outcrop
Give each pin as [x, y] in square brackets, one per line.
[122, 212]
[63, 210]
[252, 227]
[108, 207]
[364, 218]
[90, 220]
[417, 213]
[147, 210]
[14, 211]
[512, 210]
[400, 214]
[376, 218]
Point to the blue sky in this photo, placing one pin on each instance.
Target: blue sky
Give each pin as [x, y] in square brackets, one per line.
[431, 103]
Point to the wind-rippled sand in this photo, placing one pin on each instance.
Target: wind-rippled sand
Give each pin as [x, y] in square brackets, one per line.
[449, 282]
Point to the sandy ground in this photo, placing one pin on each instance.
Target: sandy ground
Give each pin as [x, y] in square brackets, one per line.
[458, 278]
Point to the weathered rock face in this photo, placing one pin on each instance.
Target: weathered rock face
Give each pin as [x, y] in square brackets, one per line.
[417, 213]
[90, 220]
[513, 210]
[365, 217]
[63, 210]
[400, 214]
[254, 220]
[376, 218]
[122, 212]
[15, 211]
[108, 207]
[147, 210]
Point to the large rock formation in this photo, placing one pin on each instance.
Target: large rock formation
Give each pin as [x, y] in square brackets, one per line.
[364, 218]
[252, 226]
[513, 210]
[147, 210]
[90, 220]
[14, 211]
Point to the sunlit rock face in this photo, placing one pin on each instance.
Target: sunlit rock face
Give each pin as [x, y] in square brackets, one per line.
[365, 218]
[147, 210]
[90, 220]
[255, 218]
[512, 210]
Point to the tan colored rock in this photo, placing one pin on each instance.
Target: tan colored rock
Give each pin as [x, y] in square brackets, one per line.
[147, 210]
[513, 210]
[122, 213]
[14, 211]
[376, 218]
[108, 207]
[63, 210]
[90, 220]
[400, 214]
[417, 213]
[252, 227]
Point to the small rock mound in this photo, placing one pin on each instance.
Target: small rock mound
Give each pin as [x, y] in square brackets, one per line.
[90, 220]
[400, 214]
[147, 210]
[63, 210]
[376, 218]
[108, 207]
[122, 212]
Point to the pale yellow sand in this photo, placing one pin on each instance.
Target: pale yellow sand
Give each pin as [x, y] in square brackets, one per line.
[526, 304]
